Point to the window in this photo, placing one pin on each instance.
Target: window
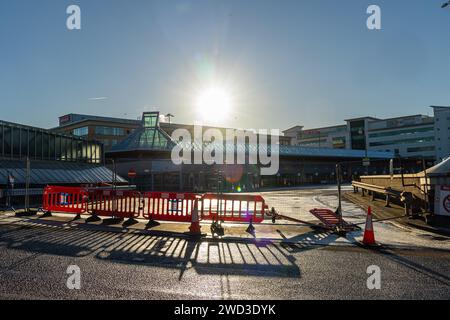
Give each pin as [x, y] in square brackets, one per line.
[420, 149]
[24, 142]
[404, 141]
[401, 132]
[16, 142]
[357, 135]
[38, 145]
[1, 140]
[339, 143]
[84, 131]
[109, 131]
[7, 141]
[150, 120]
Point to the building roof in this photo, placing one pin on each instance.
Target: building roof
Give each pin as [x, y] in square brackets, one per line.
[293, 128]
[302, 128]
[440, 108]
[23, 126]
[362, 118]
[56, 172]
[441, 169]
[145, 138]
[79, 118]
[150, 138]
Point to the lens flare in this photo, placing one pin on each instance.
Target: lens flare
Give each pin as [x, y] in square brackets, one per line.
[214, 104]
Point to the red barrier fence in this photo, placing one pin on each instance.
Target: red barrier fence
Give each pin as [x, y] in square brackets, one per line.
[169, 206]
[164, 206]
[233, 207]
[65, 199]
[111, 203]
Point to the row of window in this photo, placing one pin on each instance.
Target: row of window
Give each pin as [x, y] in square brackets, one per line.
[109, 131]
[421, 149]
[20, 142]
[81, 132]
[100, 131]
[404, 141]
[401, 132]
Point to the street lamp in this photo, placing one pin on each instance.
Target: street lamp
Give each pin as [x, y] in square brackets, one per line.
[169, 116]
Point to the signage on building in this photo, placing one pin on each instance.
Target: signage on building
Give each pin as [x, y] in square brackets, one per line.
[11, 181]
[311, 131]
[132, 173]
[64, 119]
[442, 200]
[366, 162]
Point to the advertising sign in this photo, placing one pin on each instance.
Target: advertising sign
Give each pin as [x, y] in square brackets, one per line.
[442, 200]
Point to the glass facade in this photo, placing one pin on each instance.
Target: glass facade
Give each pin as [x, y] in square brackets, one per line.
[338, 142]
[84, 131]
[19, 142]
[109, 131]
[401, 132]
[421, 149]
[403, 141]
[358, 135]
[150, 119]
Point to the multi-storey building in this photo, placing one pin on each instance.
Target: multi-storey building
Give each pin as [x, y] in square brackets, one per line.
[416, 136]
[442, 132]
[107, 130]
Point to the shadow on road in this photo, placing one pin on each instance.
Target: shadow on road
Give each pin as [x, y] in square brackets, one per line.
[408, 263]
[208, 256]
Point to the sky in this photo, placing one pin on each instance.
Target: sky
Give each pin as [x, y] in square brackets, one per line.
[282, 63]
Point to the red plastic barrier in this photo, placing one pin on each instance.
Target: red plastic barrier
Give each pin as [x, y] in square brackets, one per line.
[233, 207]
[110, 203]
[65, 199]
[169, 206]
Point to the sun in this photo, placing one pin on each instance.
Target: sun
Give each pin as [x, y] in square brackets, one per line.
[214, 104]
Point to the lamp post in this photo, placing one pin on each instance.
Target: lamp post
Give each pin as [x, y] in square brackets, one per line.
[169, 116]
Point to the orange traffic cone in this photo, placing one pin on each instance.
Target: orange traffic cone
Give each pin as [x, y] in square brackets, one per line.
[195, 228]
[369, 236]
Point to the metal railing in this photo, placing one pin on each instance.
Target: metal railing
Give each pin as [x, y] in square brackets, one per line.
[404, 197]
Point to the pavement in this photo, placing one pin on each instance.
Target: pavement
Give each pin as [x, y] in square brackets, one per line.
[395, 211]
[284, 261]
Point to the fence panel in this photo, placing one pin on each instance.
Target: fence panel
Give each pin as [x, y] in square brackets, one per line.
[110, 203]
[169, 206]
[65, 199]
[233, 207]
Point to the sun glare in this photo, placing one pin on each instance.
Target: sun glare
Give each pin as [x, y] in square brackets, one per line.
[214, 104]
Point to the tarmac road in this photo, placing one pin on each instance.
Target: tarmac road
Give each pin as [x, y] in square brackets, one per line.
[124, 264]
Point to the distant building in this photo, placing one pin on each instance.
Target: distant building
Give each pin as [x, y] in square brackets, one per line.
[107, 130]
[442, 132]
[415, 136]
[147, 153]
[409, 137]
[328, 137]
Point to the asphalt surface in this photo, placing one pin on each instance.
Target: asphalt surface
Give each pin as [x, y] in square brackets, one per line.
[130, 264]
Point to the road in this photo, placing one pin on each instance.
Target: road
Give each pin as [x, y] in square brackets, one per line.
[129, 264]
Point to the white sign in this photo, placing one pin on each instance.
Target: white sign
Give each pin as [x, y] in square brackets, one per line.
[366, 162]
[442, 200]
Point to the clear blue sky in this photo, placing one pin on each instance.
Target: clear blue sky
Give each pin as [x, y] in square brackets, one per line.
[306, 62]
